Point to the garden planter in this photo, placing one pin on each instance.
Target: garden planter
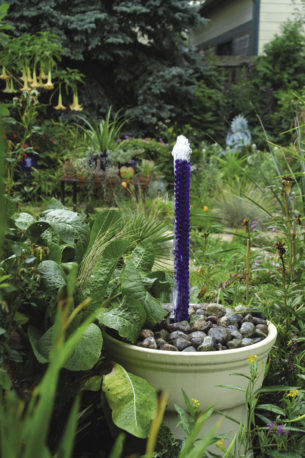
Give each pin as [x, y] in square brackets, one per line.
[198, 373]
[112, 181]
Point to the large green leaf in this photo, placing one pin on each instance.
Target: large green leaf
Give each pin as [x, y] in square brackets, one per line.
[101, 273]
[70, 227]
[23, 220]
[127, 317]
[134, 290]
[88, 350]
[52, 274]
[133, 401]
[143, 257]
[84, 356]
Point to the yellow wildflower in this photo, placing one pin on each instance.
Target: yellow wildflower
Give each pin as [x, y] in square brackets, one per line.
[124, 184]
[205, 208]
[195, 403]
[253, 358]
[293, 393]
[220, 443]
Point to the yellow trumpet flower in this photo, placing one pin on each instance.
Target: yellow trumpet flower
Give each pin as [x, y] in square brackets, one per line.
[75, 105]
[59, 105]
[49, 85]
[29, 76]
[4, 75]
[42, 74]
[7, 86]
[25, 85]
[35, 84]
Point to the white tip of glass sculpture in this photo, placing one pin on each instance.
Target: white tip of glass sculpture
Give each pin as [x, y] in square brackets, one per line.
[182, 149]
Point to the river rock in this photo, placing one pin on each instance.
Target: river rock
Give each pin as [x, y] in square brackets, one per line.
[220, 334]
[186, 349]
[149, 342]
[208, 344]
[216, 309]
[234, 343]
[181, 343]
[168, 347]
[247, 341]
[247, 329]
[181, 326]
[197, 338]
[146, 333]
[175, 334]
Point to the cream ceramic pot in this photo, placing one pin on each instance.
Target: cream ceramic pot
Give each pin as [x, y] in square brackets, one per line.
[198, 373]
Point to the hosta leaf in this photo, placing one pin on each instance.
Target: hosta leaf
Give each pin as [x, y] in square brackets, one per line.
[84, 356]
[133, 401]
[143, 257]
[88, 350]
[127, 317]
[23, 220]
[70, 227]
[134, 290]
[52, 274]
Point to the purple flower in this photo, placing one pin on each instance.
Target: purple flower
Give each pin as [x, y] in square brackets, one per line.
[280, 430]
[271, 426]
[181, 153]
[182, 230]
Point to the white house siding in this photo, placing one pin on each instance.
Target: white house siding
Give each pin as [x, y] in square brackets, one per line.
[272, 14]
[225, 19]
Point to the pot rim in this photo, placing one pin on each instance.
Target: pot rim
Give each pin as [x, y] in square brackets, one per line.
[241, 351]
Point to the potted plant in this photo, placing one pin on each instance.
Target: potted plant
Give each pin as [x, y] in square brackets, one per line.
[146, 169]
[197, 368]
[97, 176]
[127, 173]
[69, 170]
[112, 176]
[82, 171]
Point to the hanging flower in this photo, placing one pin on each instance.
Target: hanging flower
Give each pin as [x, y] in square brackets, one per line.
[35, 84]
[25, 85]
[7, 86]
[42, 74]
[60, 105]
[4, 75]
[75, 105]
[49, 85]
[29, 76]
[205, 208]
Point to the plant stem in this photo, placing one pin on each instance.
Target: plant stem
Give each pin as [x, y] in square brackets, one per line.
[248, 271]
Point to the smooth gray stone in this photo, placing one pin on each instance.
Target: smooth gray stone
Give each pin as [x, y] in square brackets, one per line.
[248, 318]
[175, 334]
[247, 341]
[216, 309]
[226, 321]
[247, 329]
[257, 320]
[181, 326]
[234, 343]
[181, 343]
[188, 349]
[168, 347]
[146, 333]
[208, 344]
[149, 342]
[220, 334]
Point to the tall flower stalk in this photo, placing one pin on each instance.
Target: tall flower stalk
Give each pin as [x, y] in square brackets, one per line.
[181, 153]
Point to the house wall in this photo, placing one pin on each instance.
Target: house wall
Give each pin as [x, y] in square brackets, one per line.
[272, 14]
[228, 17]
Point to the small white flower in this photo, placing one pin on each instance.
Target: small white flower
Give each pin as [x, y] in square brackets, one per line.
[182, 149]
